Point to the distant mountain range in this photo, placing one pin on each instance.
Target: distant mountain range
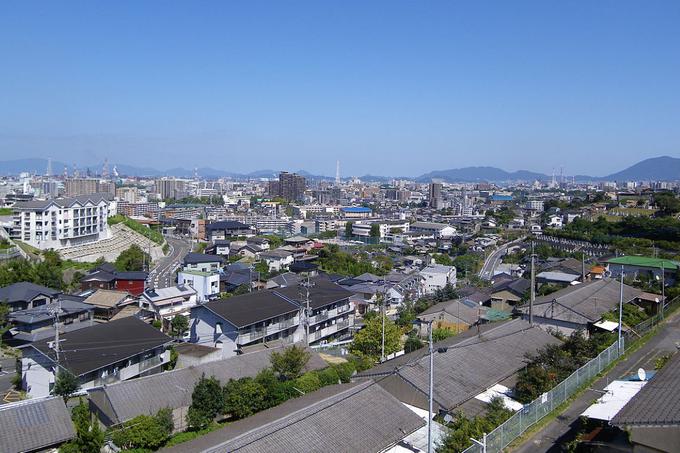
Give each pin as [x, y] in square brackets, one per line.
[662, 168]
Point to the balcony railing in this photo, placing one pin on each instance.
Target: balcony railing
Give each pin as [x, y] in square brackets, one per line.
[150, 363]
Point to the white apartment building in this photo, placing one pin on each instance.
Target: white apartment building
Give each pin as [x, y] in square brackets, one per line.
[386, 227]
[534, 205]
[63, 222]
[437, 276]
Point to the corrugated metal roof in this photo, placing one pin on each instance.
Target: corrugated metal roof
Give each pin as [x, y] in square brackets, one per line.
[34, 425]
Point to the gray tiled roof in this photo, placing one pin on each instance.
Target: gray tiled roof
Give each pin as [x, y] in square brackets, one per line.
[470, 366]
[340, 418]
[467, 311]
[582, 303]
[125, 400]
[93, 348]
[34, 425]
[94, 198]
[658, 403]
[45, 312]
[24, 291]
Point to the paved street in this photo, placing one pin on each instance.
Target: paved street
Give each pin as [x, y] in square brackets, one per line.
[494, 259]
[163, 274]
[556, 433]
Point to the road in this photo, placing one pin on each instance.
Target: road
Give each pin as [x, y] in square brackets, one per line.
[494, 259]
[163, 273]
[559, 431]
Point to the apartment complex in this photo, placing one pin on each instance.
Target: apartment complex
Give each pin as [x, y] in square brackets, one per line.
[290, 186]
[74, 187]
[63, 222]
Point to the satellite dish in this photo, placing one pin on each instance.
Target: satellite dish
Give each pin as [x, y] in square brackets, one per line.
[641, 374]
[448, 418]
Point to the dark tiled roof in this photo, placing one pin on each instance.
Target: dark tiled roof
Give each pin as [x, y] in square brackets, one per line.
[133, 275]
[95, 347]
[64, 202]
[34, 425]
[25, 291]
[44, 312]
[658, 403]
[338, 418]
[251, 308]
[324, 292]
[125, 400]
[195, 258]
[517, 286]
[228, 225]
[99, 276]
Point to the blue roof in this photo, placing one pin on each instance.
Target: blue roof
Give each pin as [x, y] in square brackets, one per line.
[356, 209]
[501, 197]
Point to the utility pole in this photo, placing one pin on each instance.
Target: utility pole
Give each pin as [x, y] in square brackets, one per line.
[431, 390]
[532, 296]
[620, 309]
[663, 289]
[305, 285]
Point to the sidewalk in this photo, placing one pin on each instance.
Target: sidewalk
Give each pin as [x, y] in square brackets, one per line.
[552, 436]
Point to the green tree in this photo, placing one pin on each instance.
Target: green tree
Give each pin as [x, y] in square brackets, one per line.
[207, 402]
[368, 341]
[439, 334]
[289, 363]
[89, 437]
[178, 325]
[348, 229]
[412, 343]
[244, 397]
[132, 259]
[145, 431]
[308, 382]
[375, 230]
[4, 325]
[65, 384]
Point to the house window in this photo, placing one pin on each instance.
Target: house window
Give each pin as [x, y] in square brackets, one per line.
[218, 328]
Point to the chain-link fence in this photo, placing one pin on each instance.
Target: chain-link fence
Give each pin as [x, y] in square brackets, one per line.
[531, 413]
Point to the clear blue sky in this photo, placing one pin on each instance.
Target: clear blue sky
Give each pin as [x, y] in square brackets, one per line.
[390, 87]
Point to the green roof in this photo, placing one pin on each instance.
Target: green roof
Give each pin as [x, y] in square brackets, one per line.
[493, 315]
[644, 261]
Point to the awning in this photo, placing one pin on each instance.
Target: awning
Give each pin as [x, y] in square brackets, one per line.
[609, 326]
[619, 393]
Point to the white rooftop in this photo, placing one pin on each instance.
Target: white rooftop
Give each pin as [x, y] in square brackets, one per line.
[618, 394]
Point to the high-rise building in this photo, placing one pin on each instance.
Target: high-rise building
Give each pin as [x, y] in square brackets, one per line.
[74, 187]
[290, 186]
[170, 188]
[435, 195]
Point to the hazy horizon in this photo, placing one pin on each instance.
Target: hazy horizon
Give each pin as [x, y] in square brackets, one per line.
[388, 88]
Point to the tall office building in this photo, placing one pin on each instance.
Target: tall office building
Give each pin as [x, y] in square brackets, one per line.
[290, 186]
[435, 195]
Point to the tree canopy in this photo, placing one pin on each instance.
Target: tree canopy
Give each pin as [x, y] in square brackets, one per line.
[289, 363]
[368, 341]
[132, 259]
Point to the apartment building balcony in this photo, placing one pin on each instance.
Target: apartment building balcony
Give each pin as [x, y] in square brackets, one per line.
[329, 330]
[254, 334]
[329, 314]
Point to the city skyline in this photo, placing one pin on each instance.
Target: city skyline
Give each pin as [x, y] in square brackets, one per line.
[249, 87]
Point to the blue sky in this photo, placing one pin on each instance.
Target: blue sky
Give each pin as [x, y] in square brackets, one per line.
[392, 87]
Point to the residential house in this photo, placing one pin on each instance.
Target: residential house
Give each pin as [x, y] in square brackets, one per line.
[219, 247]
[97, 355]
[226, 229]
[346, 417]
[506, 291]
[261, 243]
[35, 425]
[277, 259]
[107, 303]
[468, 365]
[206, 284]
[166, 303]
[107, 277]
[120, 402]
[641, 266]
[578, 307]
[437, 276]
[202, 262]
[194, 354]
[35, 324]
[283, 280]
[457, 315]
[651, 418]
[27, 295]
[436, 230]
[235, 275]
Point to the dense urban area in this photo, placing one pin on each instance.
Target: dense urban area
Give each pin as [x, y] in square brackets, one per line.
[290, 312]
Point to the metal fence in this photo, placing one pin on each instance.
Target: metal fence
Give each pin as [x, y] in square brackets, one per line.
[533, 412]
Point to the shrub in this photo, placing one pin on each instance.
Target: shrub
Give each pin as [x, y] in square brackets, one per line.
[345, 371]
[328, 376]
[243, 397]
[144, 431]
[308, 382]
[206, 402]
